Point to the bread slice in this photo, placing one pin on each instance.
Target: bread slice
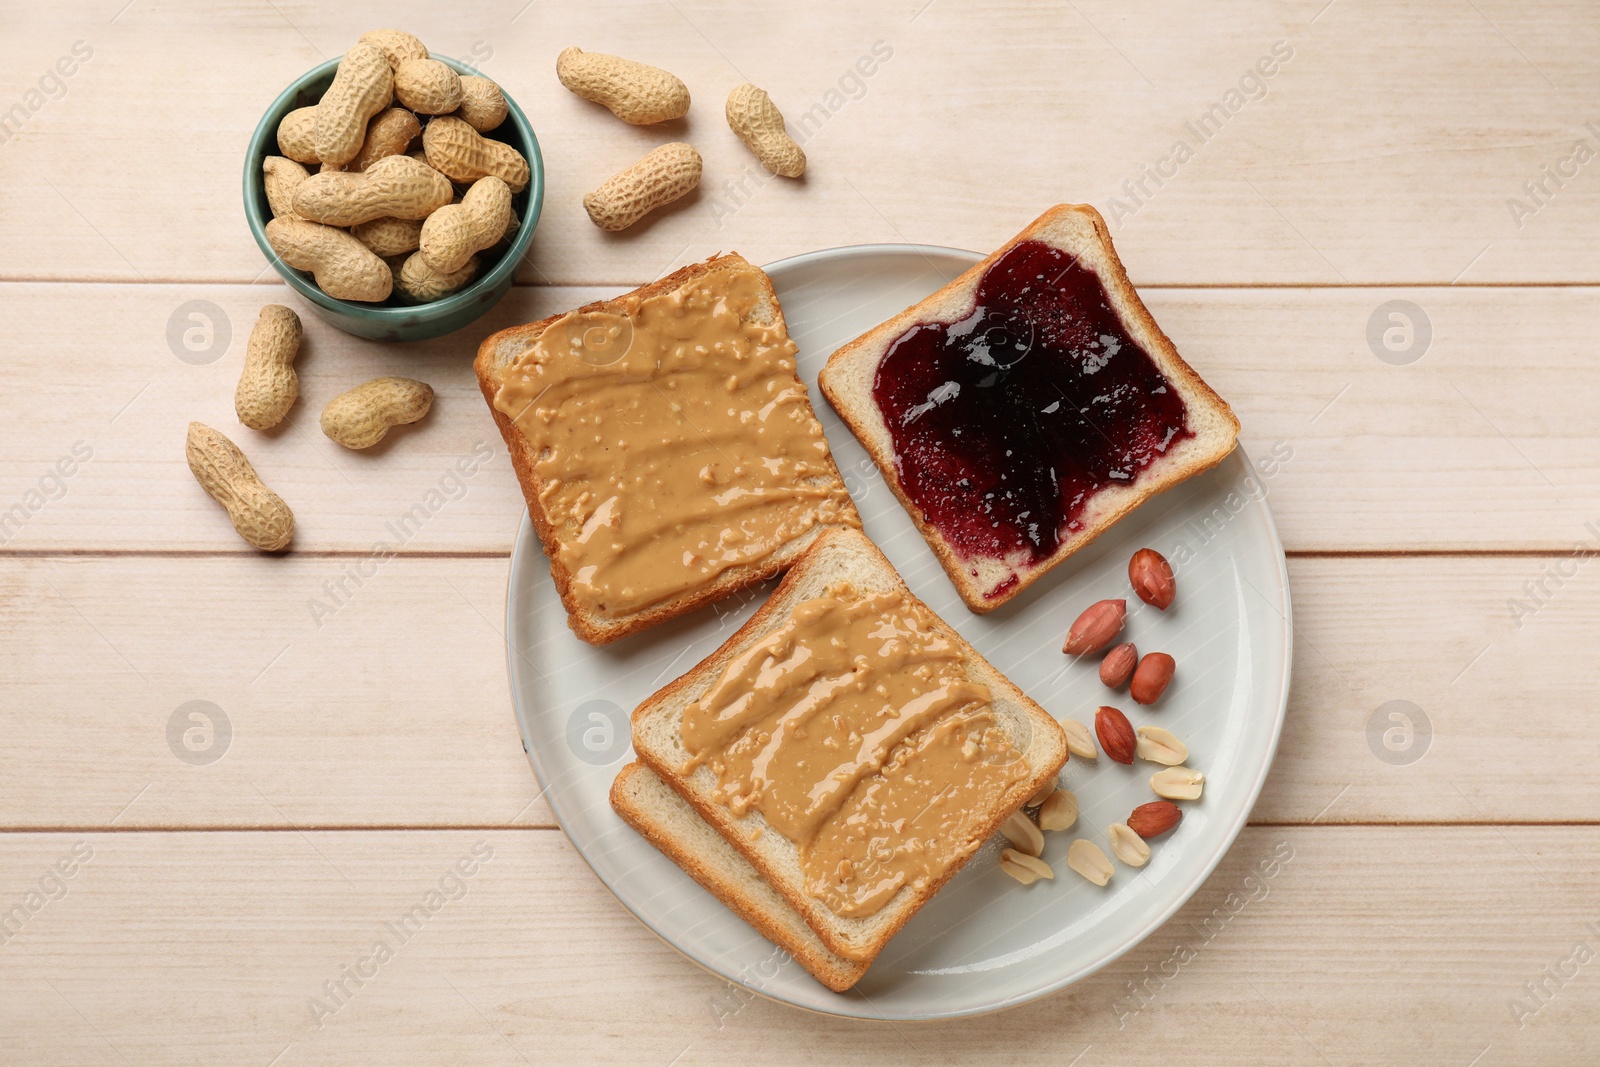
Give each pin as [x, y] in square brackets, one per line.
[987, 582]
[499, 353]
[840, 555]
[666, 820]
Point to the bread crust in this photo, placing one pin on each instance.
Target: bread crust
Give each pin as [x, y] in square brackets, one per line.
[765, 620]
[865, 420]
[592, 628]
[784, 928]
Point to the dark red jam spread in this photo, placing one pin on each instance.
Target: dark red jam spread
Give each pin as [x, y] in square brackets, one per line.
[1007, 423]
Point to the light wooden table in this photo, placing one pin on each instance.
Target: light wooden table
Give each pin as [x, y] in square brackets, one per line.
[1440, 503]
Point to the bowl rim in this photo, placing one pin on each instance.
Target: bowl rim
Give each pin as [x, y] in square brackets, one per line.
[254, 193]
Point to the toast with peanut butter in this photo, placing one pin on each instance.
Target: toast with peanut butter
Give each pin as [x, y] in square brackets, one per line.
[851, 746]
[651, 807]
[667, 450]
[1026, 407]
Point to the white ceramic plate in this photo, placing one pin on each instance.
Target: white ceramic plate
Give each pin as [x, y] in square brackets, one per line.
[984, 942]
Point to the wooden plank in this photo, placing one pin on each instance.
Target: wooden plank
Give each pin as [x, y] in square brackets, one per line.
[1365, 945]
[111, 383]
[1357, 160]
[1449, 452]
[1469, 653]
[395, 710]
[1383, 456]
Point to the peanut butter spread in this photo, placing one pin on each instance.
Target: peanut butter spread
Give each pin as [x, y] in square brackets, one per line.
[672, 441]
[855, 731]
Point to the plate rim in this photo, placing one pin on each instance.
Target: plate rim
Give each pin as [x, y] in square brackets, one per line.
[525, 552]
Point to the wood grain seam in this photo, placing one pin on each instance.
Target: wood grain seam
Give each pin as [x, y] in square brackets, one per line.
[350, 828]
[631, 282]
[490, 553]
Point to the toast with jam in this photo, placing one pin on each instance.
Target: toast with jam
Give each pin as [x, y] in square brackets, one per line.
[1024, 408]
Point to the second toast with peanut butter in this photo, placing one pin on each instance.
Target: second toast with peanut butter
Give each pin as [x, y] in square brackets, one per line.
[851, 746]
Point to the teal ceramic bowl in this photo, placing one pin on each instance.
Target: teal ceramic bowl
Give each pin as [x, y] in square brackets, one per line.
[392, 320]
